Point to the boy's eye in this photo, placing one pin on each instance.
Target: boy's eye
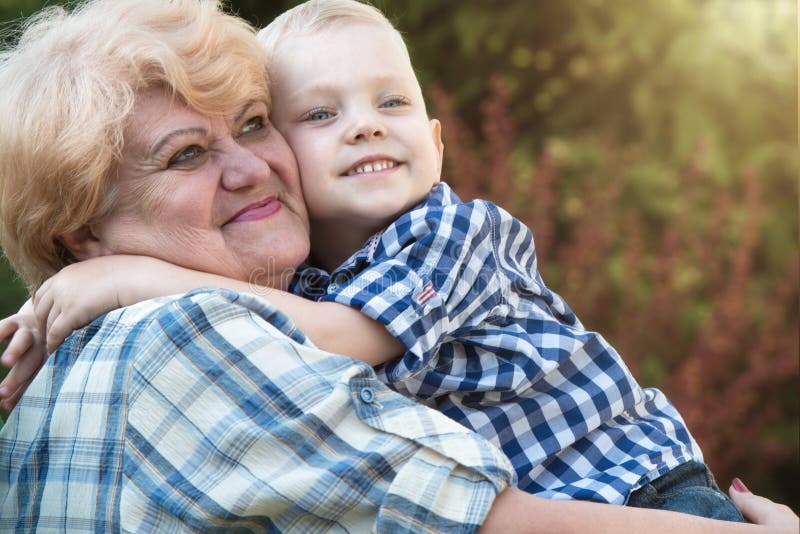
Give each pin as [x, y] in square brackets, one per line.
[252, 125]
[319, 115]
[186, 155]
[395, 102]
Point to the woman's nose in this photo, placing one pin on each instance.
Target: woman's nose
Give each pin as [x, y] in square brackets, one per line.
[241, 167]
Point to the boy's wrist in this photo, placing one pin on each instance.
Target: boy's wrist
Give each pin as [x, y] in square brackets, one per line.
[138, 280]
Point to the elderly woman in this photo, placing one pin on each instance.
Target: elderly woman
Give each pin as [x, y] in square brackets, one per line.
[141, 127]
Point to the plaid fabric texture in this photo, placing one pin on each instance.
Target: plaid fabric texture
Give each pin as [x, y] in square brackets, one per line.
[208, 413]
[489, 345]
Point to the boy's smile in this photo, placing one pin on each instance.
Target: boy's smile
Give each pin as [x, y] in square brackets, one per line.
[370, 165]
[347, 100]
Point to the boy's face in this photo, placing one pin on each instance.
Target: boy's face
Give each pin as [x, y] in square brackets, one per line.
[348, 102]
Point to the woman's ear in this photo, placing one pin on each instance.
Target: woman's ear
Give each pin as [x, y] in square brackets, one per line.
[84, 244]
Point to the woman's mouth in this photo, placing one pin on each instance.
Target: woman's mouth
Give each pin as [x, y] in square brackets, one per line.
[257, 210]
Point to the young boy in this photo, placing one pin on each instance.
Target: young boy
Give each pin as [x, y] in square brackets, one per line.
[481, 337]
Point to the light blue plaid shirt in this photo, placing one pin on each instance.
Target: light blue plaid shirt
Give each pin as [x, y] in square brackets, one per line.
[209, 413]
[492, 347]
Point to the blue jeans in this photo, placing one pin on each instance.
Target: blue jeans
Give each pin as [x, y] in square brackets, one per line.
[689, 488]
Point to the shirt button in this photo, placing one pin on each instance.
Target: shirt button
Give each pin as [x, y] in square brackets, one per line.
[333, 287]
[367, 395]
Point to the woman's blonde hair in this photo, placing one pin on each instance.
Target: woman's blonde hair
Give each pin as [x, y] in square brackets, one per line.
[315, 15]
[67, 91]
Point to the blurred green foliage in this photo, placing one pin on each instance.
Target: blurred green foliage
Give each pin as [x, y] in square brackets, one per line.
[12, 290]
[657, 111]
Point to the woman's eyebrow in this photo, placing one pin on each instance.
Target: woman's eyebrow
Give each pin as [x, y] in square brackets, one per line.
[246, 108]
[156, 148]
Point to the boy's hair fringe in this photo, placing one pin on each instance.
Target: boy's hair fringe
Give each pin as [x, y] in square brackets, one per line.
[316, 15]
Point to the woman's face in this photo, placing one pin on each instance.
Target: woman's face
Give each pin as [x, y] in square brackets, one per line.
[219, 195]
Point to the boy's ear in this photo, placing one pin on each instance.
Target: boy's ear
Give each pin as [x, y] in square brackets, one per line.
[84, 244]
[436, 135]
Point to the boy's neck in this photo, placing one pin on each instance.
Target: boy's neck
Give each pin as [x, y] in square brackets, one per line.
[332, 244]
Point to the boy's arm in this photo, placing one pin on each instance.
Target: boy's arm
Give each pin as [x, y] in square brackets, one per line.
[331, 326]
[85, 290]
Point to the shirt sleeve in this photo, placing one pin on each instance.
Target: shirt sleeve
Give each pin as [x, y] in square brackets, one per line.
[436, 277]
[234, 421]
[449, 282]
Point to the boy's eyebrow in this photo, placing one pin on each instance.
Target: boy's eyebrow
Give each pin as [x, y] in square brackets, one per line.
[312, 89]
[323, 87]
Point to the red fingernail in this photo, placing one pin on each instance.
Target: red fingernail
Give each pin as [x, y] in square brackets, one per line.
[739, 486]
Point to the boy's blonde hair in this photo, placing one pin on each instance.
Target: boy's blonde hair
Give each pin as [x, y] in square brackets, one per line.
[67, 90]
[316, 15]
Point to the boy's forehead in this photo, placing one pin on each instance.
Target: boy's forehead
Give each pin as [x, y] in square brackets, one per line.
[364, 39]
[311, 88]
[320, 61]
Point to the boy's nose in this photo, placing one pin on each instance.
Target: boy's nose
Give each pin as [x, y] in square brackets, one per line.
[366, 128]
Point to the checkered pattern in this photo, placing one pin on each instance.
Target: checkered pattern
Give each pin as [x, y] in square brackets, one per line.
[207, 413]
[492, 347]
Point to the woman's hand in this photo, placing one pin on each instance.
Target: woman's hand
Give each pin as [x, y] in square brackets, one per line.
[24, 355]
[762, 511]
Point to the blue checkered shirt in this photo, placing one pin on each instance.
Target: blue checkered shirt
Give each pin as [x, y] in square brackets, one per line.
[208, 413]
[489, 345]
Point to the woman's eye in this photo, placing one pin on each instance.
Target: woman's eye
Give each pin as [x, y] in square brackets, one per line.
[253, 125]
[319, 115]
[186, 155]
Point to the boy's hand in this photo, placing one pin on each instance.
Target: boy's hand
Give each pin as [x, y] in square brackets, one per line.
[74, 297]
[24, 354]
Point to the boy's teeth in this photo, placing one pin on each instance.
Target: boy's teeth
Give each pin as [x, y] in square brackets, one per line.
[371, 167]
